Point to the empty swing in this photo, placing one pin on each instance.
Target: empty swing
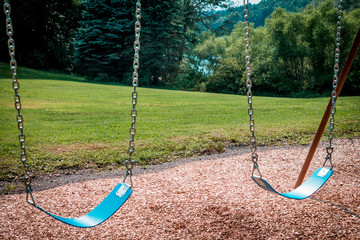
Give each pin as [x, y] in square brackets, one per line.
[322, 174]
[122, 191]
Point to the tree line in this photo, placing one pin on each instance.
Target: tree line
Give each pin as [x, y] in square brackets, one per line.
[292, 54]
[95, 37]
[225, 20]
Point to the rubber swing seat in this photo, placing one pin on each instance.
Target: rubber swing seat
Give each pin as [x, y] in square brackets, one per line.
[100, 213]
[305, 190]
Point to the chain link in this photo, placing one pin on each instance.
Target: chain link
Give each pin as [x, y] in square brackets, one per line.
[254, 155]
[27, 175]
[129, 164]
[330, 148]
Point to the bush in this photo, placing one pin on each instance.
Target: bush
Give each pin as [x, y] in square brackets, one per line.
[226, 77]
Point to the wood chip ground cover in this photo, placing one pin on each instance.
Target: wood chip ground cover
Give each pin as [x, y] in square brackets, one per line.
[212, 198]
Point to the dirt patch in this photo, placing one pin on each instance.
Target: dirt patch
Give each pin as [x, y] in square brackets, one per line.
[211, 197]
[76, 147]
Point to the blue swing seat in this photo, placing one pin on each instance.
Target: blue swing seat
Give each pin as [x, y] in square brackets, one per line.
[308, 188]
[100, 213]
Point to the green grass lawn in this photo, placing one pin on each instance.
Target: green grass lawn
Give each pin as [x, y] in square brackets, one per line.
[71, 123]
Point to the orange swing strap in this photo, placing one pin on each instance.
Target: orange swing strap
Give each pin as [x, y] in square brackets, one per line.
[342, 77]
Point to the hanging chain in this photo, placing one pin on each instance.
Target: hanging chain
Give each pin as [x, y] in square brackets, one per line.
[330, 148]
[254, 155]
[129, 164]
[15, 85]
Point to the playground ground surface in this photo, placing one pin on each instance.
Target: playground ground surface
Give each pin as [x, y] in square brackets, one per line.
[212, 197]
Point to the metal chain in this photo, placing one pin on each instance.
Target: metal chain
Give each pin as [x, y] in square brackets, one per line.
[129, 164]
[254, 155]
[330, 148]
[15, 85]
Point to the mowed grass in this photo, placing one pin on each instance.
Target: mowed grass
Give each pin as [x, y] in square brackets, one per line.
[72, 124]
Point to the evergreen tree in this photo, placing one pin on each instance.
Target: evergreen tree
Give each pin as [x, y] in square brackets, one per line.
[162, 38]
[105, 39]
[170, 27]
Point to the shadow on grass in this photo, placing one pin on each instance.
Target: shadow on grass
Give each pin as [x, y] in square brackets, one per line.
[28, 73]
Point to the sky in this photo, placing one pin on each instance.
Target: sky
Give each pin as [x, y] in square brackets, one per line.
[240, 2]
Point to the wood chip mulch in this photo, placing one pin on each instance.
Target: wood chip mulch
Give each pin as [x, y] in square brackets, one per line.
[213, 198]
